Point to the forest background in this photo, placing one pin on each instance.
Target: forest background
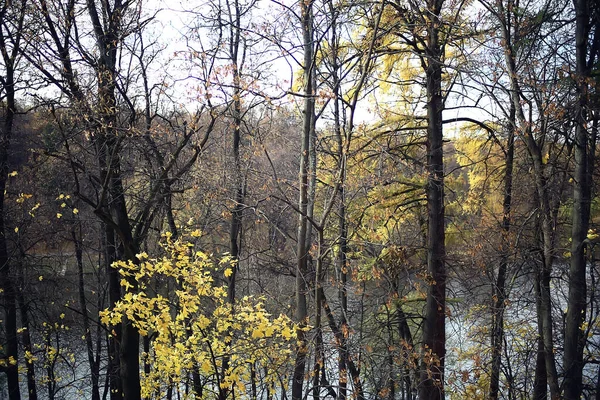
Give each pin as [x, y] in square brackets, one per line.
[276, 199]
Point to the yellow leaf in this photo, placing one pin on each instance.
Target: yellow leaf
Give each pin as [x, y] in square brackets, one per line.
[125, 284]
[286, 333]
[58, 215]
[206, 367]
[269, 331]
[228, 272]
[257, 334]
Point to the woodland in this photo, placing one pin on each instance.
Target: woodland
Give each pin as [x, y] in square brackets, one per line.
[278, 199]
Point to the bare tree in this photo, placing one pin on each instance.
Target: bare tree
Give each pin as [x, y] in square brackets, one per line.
[106, 115]
[12, 16]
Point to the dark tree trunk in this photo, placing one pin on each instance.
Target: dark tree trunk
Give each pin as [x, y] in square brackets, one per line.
[434, 334]
[339, 337]
[341, 262]
[26, 329]
[575, 337]
[236, 215]
[318, 368]
[93, 362]
[27, 346]
[499, 289]
[114, 294]
[407, 348]
[235, 227]
[540, 382]
[7, 280]
[303, 247]
[9, 288]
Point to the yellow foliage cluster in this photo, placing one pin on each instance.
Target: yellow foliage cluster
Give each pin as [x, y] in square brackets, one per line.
[482, 183]
[193, 327]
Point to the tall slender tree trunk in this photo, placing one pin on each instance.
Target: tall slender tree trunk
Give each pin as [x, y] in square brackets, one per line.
[235, 227]
[499, 289]
[7, 280]
[407, 353]
[114, 295]
[434, 334]
[319, 365]
[93, 363]
[9, 297]
[26, 337]
[540, 381]
[342, 272]
[575, 337]
[303, 206]
[341, 261]
[339, 335]
[236, 215]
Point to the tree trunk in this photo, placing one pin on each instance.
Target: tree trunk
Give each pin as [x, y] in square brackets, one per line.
[303, 245]
[108, 142]
[499, 289]
[26, 335]
[319, 347]
[575, 337]
[7, 280]
[540, 382]
[94, 365]
[236, 215]
[341, 261]
[434, 334]
[339, 337]
[114, 295]
[407, 344]
[235, 227]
